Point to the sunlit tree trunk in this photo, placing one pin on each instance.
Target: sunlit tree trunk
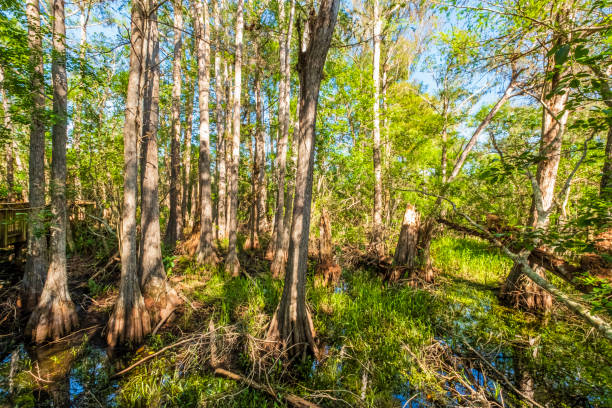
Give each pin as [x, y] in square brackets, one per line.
[291, 324]
[229, 115]
[220, 80]
[519, 290]
[160, 298]
[186, 208]
[406, 251]
[55, 315]
[278, 249]
[130, 320]
[252, 240]
[232, 265]
[36, 265]
[606, 172]
[174, 231]
[84, 10]
[10, 152]
[327, 270]
[205, 252]
[603, 77]
[377, 238]
[260, 161]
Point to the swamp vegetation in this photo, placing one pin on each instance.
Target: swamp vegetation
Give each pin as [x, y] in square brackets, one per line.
[283, 203]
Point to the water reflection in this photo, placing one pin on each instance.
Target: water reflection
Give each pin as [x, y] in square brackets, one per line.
[73, 372]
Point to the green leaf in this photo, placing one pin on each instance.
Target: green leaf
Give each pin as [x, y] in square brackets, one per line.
[561, 54]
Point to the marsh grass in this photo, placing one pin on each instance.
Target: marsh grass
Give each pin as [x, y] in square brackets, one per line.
[379, 335]
[376, 341]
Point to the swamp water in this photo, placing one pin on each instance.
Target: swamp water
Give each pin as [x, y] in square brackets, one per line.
[363, 323]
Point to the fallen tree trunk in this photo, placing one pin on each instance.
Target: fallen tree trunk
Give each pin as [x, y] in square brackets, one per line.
[292, 399]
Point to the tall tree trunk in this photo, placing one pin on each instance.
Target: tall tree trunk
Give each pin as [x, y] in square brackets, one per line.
[284, 88]
[130, 320]
[55, 316]
[220, 84]
[605, 190]
[377, 238]
[519, 290]
[84, 10]
[327, 269]
[10, 153]
[291, 324]
[603, 78]
[205, 253]
[229, 115]
[232, 265]
[174, 231]
[406, 250]
[186, 209]
[160, 298]
[252, 240]
[36, 265]
[260, 161]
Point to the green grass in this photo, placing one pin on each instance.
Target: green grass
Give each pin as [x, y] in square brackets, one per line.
[367, 325]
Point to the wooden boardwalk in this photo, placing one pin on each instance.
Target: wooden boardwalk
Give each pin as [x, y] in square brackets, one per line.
[13, 224]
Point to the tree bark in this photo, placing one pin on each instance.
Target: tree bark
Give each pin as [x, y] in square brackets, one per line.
[36, 266]
[220, 86]
[406, 251]
[10, 153]
[605, 190]
[377, 240]
[174, 231]
[518, 290]
[205, 252]
[327, 269]
[276, 251]
[55, 315]
[229, 115]
[291, 324]
[260, 161]
[232, 265]
[130, 320]
[252, 240]
[159, 297]
[186, 208]
[84, 10]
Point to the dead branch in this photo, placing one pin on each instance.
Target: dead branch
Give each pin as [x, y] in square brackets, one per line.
[292, 399]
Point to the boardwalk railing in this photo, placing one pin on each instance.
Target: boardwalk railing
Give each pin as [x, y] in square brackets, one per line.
[13, 224]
